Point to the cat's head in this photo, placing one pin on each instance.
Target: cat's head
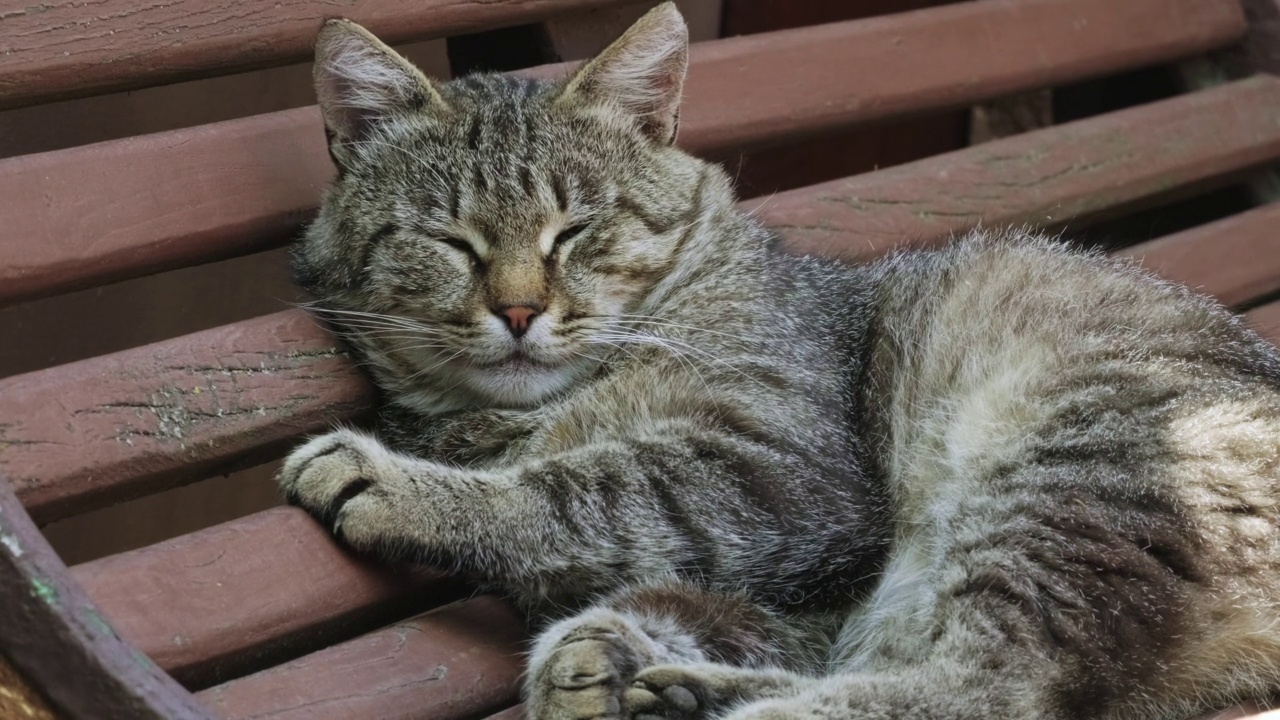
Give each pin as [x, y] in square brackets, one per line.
[483, 235]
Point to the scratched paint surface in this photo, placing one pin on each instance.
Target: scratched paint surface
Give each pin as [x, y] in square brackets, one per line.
[105, 428]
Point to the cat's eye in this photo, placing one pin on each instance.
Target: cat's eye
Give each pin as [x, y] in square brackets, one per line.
[462, 245]
[566, 235]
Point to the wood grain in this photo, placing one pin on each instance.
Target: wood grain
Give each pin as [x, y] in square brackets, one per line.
[1070, 173]
[140, 424]
[247, 594]
[94, 214]
[459, 662]
[59, 49]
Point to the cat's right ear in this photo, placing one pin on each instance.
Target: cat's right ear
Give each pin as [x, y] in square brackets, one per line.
[360, 82]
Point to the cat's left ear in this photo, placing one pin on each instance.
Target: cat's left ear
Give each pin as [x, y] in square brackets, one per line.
[641, 73]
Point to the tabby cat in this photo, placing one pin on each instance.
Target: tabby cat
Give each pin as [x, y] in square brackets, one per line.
[1005, 479]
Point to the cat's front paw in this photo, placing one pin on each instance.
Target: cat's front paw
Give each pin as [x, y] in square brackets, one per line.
[348, 481]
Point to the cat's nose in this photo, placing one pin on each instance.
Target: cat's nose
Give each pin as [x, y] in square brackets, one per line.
[518, 317]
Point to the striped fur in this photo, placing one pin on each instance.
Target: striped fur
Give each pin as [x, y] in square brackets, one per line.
[1000, 480]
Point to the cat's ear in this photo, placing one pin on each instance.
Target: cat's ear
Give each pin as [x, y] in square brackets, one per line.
[361, 82]
[641, 73]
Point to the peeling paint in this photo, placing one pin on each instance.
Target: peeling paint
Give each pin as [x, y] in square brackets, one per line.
[44, 591]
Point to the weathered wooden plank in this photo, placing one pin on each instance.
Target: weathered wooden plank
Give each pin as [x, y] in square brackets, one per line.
[212, 604]
[461, 661]
[63, 48]
[211, 192]
[147, 396]
[90, 433]
[1234, 259]
[55, 637]
[1069, 173]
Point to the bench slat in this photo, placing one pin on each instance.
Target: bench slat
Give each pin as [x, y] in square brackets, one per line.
[214, 604]
[1234, 259]
[216, 191]
[64, 49]
[90, 433]
[1050, 176]
[461, 661]
[1069, 173]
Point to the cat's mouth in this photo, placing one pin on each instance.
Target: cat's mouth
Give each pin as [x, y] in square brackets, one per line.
[519, 359]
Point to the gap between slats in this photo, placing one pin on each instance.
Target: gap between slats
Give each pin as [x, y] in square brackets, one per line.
[201, 194]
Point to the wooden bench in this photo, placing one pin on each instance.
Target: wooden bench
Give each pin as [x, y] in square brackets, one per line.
[265, 615]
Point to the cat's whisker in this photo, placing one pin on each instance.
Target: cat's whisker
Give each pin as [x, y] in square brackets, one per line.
[667, 342]
[428, 369]
[651, 320]
[677, 354]
[354, 315]
[760, 206]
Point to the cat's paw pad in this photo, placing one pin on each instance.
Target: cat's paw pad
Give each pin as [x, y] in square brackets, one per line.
[336, 476]
[668, 692]
[585, 677]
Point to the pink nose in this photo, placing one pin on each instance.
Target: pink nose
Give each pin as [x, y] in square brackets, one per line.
[518, 318]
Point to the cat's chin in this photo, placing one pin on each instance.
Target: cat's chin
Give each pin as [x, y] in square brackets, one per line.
[521, 382]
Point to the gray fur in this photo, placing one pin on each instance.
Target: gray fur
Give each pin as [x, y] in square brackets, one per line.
[1001, 480]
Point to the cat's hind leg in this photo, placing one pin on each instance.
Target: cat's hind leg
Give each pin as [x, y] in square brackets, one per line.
[669, 650]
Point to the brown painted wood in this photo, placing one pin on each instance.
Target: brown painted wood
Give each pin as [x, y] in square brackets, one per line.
[246, 594]
[60, 643]
[1234, 259]
[63, 48]
[1048, 177]
[93, 432]
[1070, 173]
[1266, 320]
[461, 661]
[515, 712]
[200, 194]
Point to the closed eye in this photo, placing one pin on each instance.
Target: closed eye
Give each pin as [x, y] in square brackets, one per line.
[565, 236]
[461, 245]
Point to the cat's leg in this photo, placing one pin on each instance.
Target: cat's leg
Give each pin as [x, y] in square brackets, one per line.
[596, 518]
[670, 650]
[1044, 593]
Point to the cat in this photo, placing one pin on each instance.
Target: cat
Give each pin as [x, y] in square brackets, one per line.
[1003, 479]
